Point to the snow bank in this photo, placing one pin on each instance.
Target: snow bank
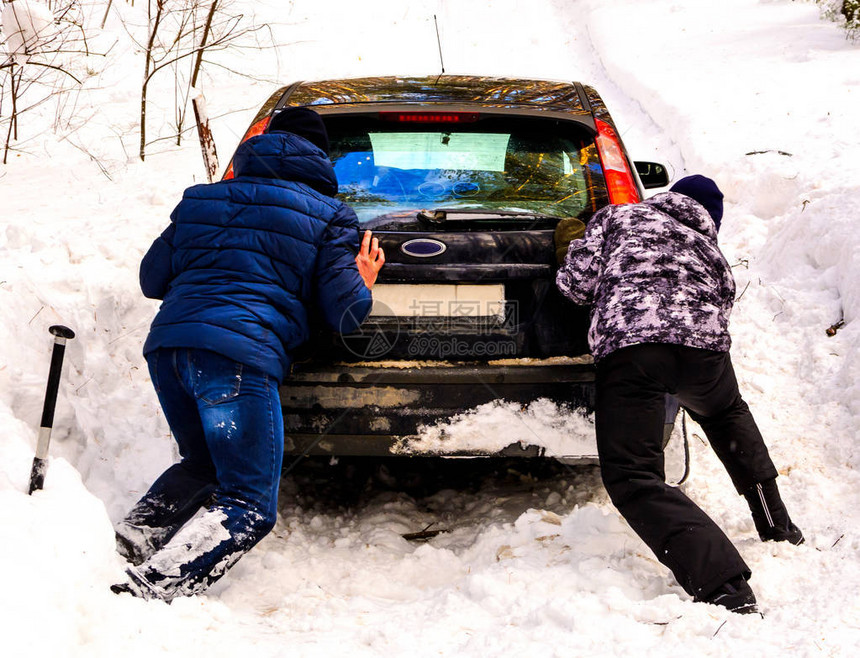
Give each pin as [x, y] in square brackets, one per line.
[540, 568]
[27, 27]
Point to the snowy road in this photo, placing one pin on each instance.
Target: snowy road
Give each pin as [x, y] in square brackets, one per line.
[531, 563]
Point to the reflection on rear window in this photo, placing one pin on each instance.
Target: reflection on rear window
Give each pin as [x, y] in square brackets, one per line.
[428, 151]
[494, 164]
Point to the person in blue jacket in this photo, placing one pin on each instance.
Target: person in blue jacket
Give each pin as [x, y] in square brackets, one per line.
[238, 269]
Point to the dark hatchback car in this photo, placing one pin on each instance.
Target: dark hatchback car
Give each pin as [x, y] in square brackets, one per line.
[463, 180]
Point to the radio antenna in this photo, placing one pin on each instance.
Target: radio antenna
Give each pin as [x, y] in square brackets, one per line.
[439, 43]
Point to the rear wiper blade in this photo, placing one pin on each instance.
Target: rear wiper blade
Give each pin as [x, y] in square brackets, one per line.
[470, 214]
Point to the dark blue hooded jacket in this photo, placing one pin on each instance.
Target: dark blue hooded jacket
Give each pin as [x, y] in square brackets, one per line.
[243, 259]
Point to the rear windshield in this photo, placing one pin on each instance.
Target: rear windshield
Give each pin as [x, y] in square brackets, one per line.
[544, 167]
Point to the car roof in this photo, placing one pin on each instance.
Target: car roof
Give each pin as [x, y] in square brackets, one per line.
[478, 91]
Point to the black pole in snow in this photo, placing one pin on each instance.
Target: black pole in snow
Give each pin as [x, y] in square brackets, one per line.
[40, 461]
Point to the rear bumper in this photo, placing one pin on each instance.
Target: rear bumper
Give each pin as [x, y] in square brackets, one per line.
[384, 408]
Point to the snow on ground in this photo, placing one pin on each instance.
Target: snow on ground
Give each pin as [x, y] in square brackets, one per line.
[762, 96]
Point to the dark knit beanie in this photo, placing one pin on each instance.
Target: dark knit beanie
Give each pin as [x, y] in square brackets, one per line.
[705, 191]
[301, 121]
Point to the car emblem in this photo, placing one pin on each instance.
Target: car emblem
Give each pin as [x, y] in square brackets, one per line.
[423, 248]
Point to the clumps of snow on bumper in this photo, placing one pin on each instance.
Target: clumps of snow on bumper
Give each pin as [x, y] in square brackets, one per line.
[491, 427]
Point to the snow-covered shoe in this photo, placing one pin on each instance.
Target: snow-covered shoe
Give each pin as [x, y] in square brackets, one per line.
[769, 514]
[140, 587]
[136, 543]
[736, 595]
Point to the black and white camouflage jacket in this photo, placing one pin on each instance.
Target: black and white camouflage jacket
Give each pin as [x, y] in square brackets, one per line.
[652, 273]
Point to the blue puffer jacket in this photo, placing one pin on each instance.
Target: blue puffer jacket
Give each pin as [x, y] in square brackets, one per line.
[243, 259]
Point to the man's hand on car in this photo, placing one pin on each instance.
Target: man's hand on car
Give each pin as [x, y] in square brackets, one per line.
[370, 259]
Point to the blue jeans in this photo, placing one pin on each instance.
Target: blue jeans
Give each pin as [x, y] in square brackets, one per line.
[227, 421]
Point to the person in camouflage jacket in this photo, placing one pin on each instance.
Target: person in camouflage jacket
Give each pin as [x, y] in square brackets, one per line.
[660, 293]
[652, 273]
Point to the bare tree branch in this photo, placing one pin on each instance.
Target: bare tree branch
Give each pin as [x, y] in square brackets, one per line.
[147, 62]
[206, 29]
[46, 35]
[56, 68]
[176, 34]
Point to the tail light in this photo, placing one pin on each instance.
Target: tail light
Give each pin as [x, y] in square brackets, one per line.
[430, 117]
[257, 128]
[619, 179]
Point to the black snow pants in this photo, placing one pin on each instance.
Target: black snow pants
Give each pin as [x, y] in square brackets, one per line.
[631, 386]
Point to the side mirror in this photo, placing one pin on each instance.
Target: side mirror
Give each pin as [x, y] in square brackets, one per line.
[652, 174]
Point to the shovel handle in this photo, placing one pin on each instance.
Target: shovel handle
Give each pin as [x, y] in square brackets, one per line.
[40, 461]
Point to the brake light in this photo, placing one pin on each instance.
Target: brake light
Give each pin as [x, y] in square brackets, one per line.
[430, 117]
[619, 179]
[257, 128]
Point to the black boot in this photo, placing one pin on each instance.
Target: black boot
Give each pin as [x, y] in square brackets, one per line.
[769, 514]
[736, 595]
